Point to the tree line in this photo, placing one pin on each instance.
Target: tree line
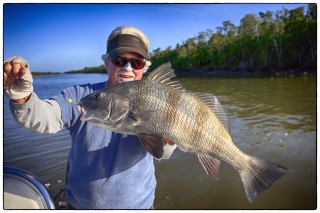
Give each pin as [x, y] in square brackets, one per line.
[99, 69]
[281, 40]
[271, 41]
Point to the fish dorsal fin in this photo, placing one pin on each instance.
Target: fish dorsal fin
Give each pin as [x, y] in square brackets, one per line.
[163, 75]
[216, 107]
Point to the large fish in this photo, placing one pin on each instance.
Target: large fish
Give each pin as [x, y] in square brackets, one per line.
[157, 107]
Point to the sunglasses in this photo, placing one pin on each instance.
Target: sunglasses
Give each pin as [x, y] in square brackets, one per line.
[121, 61]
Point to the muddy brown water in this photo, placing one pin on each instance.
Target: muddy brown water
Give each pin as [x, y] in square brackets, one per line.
[270, 118]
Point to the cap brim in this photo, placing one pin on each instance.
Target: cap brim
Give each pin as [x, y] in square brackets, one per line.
[121, 50]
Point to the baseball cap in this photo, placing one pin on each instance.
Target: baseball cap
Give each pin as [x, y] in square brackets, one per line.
[126, 43]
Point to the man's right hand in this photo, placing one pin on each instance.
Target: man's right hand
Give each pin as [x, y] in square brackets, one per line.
[17, 79]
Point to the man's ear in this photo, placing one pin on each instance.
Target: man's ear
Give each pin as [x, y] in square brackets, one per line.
[107, 63]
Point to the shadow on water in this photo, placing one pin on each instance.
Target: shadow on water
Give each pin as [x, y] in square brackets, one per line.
[273, 119]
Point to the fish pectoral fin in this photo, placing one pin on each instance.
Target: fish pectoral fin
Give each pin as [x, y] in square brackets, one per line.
[154, 144]
[209, 164]
[140, 117]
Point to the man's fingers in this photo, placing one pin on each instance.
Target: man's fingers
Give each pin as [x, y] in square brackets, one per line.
[7, 68]
[12, 72]
[7, 79]
[16, 71]
[16, 67]
[22, 71]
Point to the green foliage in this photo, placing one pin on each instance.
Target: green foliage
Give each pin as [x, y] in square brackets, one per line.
[100, 69]
[284, 39]
[45, 73]
[273, 40]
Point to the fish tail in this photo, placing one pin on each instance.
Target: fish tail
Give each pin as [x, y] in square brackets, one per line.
[260, 175]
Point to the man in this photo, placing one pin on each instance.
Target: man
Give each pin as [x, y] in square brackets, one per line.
[107, 170]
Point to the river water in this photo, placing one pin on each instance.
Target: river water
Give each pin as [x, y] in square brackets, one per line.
[270, 118]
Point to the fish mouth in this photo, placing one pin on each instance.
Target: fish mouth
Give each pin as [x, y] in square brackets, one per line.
[83, 112]
[86, 116]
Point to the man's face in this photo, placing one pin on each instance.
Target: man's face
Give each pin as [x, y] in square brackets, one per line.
[123, 74]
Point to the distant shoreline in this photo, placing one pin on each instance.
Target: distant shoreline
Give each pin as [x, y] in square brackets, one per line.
[45, 73]
[246, 73]
[240, 73]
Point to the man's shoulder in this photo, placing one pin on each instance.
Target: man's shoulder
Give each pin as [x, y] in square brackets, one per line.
[85, 89]
[94, 86]
[77, 92]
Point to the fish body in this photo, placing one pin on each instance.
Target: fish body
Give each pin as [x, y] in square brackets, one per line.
[157, 107]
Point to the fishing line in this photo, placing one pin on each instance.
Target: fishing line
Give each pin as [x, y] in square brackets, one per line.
[68, 99]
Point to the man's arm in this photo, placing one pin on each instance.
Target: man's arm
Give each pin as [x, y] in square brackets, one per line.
[43, 116]
[28, 110]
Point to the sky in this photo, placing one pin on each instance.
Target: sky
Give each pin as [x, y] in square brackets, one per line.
[63, 37]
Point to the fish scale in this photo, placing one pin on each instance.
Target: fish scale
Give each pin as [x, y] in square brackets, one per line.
[203, 141]
[158, 107]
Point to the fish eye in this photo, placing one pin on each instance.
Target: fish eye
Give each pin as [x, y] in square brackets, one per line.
[98, 96]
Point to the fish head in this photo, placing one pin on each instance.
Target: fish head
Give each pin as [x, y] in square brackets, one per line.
[105, 109]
